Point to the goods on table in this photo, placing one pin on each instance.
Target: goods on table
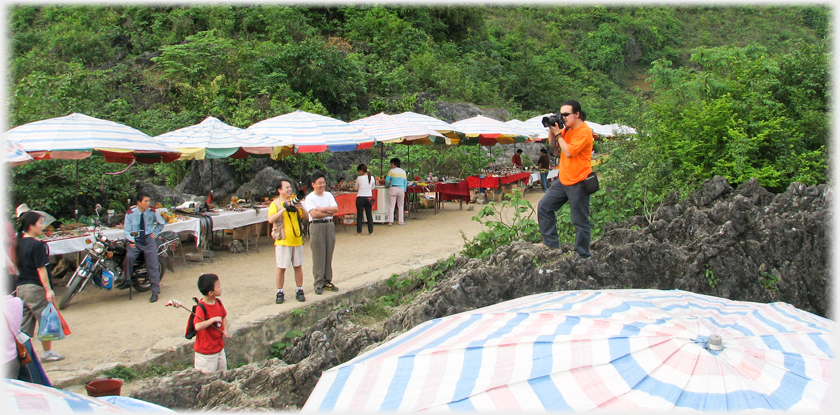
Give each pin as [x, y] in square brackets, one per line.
[172, 217]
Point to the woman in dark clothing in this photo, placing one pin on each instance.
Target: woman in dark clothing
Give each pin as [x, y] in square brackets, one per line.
[365, 185]
[33, 284]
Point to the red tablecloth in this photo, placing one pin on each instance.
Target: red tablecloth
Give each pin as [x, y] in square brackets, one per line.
[453, 191]
[496, 182]
[347, 203]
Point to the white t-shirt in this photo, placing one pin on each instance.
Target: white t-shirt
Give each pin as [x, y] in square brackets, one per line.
[312, 201]
[365, 186]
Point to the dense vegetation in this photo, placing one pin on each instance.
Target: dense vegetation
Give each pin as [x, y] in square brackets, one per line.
[736, 91]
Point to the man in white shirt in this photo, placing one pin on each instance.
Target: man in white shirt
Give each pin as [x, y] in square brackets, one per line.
[321, 206]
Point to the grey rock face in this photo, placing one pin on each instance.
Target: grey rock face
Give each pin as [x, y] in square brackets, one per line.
[162, 194]
[209, 174]
[742, 244]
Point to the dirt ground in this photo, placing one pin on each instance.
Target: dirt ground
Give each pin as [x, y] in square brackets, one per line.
[108, 328]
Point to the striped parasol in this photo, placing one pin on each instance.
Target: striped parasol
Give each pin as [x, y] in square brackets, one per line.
[587, 350]
[312, 133]
[433, 123]
[15, 154]
[24, 397]
[536, 133]
[214, 139]
[486, 131]
[390, 129]
[76, 136]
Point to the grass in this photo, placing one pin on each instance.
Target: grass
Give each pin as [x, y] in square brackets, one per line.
[153, 370]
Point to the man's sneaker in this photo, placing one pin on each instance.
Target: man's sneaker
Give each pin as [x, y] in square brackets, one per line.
[299, 295]
[280, 298]
[319, 290]
[330, 287]
[51, 356]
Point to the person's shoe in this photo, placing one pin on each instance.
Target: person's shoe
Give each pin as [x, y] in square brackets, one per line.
[280, 298]
[299, 295]
[402, 223]
[153, 298]
[330, 287]
[51, 356]
[319, 290]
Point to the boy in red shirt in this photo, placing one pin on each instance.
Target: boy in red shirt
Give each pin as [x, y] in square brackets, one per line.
[211, 327]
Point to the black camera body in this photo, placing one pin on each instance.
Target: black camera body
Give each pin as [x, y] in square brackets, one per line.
[553, 119]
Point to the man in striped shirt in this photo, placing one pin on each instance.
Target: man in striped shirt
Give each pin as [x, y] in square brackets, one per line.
[397, 182]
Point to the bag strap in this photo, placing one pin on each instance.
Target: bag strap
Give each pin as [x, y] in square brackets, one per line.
[11, 330]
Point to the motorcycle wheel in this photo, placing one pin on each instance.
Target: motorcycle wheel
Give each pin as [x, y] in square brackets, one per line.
[141, 284]
[71, 292]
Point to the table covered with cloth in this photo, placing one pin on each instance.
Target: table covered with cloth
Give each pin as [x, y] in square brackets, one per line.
[496, 182]
[347, 203]
[79, 243]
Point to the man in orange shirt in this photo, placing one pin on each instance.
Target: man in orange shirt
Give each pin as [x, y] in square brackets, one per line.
[575, 142]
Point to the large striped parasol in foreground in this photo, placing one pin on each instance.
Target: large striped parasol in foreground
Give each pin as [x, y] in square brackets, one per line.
[588, 350]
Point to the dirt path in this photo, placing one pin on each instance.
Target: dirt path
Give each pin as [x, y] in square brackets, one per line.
[108, 329]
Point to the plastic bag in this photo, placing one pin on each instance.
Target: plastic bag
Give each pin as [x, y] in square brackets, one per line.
[64, 326]
[50, 325]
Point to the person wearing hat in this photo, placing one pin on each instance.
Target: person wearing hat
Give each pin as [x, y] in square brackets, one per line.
[23, 207]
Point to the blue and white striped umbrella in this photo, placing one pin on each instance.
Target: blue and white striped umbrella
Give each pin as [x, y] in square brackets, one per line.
[214, 139]
[588, 350]
[15, 154]
[30, 398]
[76, 136]
[389, 129]
[312, 133]
[432, 123]
[487, 131]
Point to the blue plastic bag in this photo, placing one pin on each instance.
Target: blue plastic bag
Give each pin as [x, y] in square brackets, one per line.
[50, 325]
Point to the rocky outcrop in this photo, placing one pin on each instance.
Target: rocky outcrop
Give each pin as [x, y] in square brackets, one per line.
[208, 174]
[742, 244]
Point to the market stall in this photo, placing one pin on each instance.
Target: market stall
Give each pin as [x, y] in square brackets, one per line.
[78, 240]
[459, 191]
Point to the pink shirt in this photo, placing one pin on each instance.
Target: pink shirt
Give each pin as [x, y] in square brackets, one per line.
[13, 313]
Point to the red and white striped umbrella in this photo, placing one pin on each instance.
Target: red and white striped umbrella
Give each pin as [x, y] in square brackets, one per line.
[588, 350]
[76, 136]
[390, 129]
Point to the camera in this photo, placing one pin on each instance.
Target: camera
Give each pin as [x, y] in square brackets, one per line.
[299, 196]
[552, 119]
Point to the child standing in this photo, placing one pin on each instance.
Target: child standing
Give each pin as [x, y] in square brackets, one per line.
[211, 327]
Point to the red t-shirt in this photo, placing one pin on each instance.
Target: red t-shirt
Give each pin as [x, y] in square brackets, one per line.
[209, 340]
[516, 160]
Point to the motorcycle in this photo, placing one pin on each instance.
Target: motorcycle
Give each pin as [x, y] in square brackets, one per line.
[103, 264]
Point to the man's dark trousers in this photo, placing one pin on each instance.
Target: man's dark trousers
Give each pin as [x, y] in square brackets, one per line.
[149, 248]
[556, 196]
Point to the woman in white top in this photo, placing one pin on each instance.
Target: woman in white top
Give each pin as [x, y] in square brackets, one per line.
[364, 198]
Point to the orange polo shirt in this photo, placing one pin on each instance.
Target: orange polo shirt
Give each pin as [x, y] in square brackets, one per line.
[574, 169]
